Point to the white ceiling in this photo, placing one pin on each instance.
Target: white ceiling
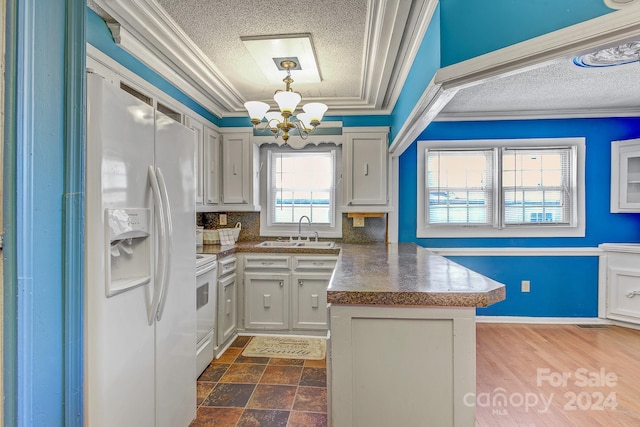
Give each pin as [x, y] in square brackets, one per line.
[557, 89]
[364, 49]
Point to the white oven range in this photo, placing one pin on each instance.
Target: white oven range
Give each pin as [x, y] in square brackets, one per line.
[206, 292]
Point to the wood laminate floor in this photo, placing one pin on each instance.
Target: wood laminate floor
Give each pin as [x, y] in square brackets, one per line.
[557, 375]
[527, 376]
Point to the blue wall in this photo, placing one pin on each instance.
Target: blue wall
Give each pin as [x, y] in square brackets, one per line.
[573, 275]
[470, 28]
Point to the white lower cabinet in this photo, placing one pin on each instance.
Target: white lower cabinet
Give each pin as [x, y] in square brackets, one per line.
[309, 300]
[401, 366]
[227, 325]
[286, 292]
[266, 300]
[619, 282]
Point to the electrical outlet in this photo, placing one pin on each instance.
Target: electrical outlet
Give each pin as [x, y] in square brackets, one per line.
[526, 286]
[358, 221]
[222, 219]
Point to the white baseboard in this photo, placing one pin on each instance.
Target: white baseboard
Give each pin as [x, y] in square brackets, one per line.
[545, 320]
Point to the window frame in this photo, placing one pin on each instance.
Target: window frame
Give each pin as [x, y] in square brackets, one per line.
[267, 227]
[498, 228]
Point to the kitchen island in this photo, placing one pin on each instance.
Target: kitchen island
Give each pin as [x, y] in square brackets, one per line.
[402, 347]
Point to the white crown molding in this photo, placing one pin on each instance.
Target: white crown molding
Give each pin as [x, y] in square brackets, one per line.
[432, 101]
[386, 24]
[155, 39]
[150, 34]
[520, 251]
[419, 21]
[131, 44]
[588, 36]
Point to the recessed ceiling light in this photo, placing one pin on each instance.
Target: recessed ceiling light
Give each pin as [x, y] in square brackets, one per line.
[269, 51]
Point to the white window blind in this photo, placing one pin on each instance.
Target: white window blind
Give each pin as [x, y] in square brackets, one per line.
[460, 187]
[301, 183]
[537, 186]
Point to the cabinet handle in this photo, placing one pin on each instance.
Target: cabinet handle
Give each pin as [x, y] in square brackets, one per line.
[366, 169]
[300, 282]
[234, 169]
[632, 294]
[267, 262]
[318, 263]
[281, 284]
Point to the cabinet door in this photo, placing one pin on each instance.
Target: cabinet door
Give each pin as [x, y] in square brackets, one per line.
[198, 130]
[368, 169]
[624, 294]
[227, 309]
[211, 166]
[625, 176]
[236, 177]
[266, 300]
[309, 305]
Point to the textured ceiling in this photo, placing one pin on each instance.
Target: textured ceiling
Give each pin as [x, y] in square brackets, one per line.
[558, 88]
[337, 29]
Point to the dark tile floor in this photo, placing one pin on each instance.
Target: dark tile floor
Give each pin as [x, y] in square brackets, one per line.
[259, 391]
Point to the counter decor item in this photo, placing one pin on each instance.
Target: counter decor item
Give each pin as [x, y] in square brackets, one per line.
[211, 237]
[226, 236]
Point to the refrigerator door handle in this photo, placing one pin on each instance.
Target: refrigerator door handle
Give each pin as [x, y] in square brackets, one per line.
[168, 239]
[161, 226]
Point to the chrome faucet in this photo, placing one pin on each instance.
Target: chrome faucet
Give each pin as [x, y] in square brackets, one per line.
[300, 225]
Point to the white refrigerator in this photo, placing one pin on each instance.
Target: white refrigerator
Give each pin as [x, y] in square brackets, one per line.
[140, 310]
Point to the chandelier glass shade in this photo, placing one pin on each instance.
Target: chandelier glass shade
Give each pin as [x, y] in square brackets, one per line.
[283, 121]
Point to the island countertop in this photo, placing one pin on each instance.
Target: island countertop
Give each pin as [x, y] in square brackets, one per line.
[405, 274]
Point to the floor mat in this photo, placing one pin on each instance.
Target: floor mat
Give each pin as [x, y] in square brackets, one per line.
[286, 347]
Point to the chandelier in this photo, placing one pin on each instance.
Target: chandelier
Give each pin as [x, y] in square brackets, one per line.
[281, 122]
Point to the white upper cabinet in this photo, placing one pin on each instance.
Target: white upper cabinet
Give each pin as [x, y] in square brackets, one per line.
[625, 176]
[207, 163]
[365, 170]
[211, 175]
[198, 131]
[240, 171]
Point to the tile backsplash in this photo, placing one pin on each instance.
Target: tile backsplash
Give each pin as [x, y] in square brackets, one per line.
[374, 230]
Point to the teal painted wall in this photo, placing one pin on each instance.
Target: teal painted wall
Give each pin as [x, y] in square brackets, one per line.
[425, 66]
[472, 28]
[35, 144]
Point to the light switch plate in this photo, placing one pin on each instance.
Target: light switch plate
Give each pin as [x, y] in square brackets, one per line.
[358, 221]
[223, 219]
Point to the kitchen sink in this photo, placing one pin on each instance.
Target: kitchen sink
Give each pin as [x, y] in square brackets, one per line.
[278, 244]
[319, 245]
[296, 244]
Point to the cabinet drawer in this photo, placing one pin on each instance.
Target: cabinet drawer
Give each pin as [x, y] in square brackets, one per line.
[267, 262]
[227, 265]
[314, 263]
[624, 294]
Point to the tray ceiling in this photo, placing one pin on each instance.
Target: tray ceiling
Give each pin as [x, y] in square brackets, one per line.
[364, 50]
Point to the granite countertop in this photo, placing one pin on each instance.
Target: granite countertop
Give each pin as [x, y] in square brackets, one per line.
[406, 274]
[401, 274]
